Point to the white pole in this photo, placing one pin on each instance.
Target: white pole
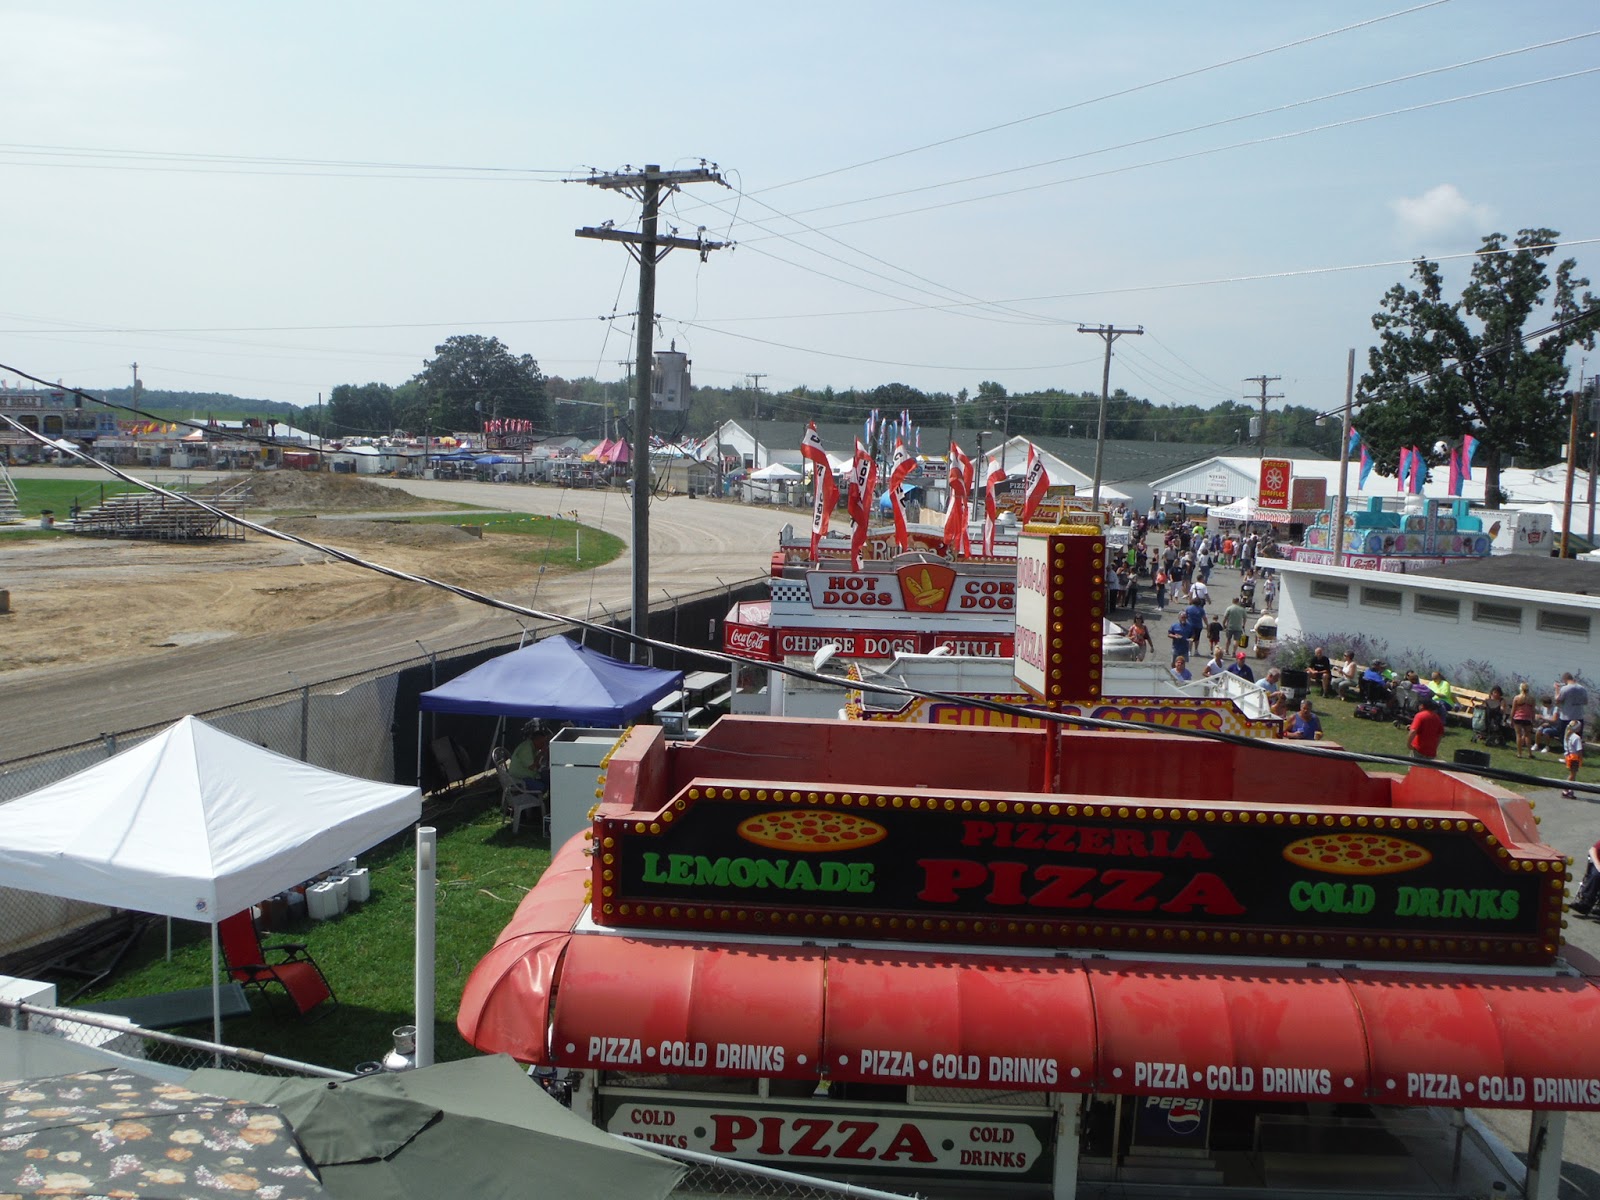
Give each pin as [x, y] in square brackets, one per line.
[427, 871]
[216, 988]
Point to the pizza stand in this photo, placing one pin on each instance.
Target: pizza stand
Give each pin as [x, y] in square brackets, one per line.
[994, 960]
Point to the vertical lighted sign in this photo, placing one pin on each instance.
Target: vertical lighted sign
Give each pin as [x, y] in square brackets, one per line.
[1275, 475]
[1061, 593]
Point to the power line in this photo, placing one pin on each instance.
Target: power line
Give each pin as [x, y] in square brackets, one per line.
[1247, 143]
[1233, 120]
[1128, 91]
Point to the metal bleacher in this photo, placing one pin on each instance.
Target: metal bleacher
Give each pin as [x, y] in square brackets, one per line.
[156, 517]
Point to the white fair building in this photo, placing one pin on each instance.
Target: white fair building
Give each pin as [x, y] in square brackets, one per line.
[1530, 618]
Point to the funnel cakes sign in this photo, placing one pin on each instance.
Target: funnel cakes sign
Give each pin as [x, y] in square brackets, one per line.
[981, 869]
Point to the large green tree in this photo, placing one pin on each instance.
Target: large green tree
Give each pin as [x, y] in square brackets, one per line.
[471, 379]
[360, 409]
[1444, 367]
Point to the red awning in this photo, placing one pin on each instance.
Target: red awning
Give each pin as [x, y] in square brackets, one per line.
[1506, 1042]
[968, 1021]
[1227, 1032]
[650, 1007]
[1026, 1022]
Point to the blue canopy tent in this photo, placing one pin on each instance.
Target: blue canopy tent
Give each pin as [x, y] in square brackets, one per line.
[555, 679]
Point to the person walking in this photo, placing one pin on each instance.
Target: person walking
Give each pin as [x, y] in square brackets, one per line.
[1233, 619]
[1574, 757]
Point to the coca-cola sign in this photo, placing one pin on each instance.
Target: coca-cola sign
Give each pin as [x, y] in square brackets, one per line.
[747, 641]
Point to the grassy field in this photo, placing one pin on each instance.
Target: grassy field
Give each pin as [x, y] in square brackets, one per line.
[57, 495]
[1374, 737]
[367, 954]
[553, 541]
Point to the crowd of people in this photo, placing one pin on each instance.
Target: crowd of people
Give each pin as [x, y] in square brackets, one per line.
[1180, 573]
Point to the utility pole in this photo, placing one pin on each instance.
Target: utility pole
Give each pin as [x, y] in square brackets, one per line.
[1344, 460]
[1263, 380]
[1572, 463]
[647, 248]
[1589, 390]
[753, 380]
[1110, 334]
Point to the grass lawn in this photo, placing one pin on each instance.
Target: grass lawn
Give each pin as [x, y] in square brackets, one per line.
[1375, 737]
[36, 495]
[553, 541]
[367, 954]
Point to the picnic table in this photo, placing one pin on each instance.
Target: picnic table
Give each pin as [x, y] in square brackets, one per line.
[169, 1010]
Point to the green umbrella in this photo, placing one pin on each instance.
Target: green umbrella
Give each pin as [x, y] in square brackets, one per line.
[119, 1134]
[477, 1128]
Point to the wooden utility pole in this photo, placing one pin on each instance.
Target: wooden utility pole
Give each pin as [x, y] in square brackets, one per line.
[1263, 380]
[647, 249]
[1572, 465]
[1110, 334]
[1344, 460]
[753, 380]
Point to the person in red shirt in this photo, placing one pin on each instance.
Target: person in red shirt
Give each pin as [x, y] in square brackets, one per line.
[1427, 727]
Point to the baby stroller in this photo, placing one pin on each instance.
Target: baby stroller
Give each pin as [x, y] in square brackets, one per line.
[1489, 726]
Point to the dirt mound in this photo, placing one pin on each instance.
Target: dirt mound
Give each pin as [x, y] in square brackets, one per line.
[323, 491]
[356, 533]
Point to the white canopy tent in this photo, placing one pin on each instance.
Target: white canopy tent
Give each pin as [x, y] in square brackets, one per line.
[196, 824]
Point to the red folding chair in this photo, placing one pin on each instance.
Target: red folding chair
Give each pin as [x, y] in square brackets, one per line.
[295, 971]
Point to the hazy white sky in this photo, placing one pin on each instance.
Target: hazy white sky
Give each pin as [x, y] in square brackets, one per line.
[249, 197]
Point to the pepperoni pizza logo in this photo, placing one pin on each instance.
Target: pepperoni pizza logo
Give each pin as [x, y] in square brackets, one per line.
[811, 832]
[926, 587]
[1356, 854]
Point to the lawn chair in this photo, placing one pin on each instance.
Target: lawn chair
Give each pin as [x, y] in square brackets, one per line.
[449, 758]
[516, 795]
[296, 972]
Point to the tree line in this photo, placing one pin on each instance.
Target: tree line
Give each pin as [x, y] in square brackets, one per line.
[1490, 363]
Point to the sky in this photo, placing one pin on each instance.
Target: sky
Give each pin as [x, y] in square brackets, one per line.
[270, 200]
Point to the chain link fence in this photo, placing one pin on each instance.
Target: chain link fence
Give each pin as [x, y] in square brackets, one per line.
[363, 724]
[168, 1056]
[725, 1179]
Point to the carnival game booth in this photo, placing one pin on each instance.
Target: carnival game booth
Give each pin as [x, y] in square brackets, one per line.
[986, 961]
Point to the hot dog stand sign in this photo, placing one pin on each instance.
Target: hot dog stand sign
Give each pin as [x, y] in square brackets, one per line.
[984, 869]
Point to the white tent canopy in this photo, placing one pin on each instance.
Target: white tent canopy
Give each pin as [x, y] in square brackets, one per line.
[775, 471]
[193, 823]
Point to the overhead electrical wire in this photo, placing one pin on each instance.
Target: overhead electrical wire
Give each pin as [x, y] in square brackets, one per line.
[262, 160]
[1128, 91]
[732, 661]
[1233, 120]
[1265, 139]
[882, 362]
[795, 238]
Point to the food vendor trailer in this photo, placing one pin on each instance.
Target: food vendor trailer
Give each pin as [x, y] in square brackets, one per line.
[910, 955]
[980, 960]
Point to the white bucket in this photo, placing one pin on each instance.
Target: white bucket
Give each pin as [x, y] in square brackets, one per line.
[341, 891]
[322, 901]
[360, 885]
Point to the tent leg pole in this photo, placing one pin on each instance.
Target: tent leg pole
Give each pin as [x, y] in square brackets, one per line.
[427, 871]
[216, 994]
[169, 939]
[419, 748]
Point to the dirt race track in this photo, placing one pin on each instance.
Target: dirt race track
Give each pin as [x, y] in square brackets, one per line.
[107, 636]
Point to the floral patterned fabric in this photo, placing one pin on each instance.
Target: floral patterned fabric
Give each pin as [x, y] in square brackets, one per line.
[115, 1134]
